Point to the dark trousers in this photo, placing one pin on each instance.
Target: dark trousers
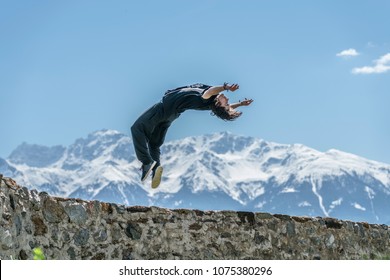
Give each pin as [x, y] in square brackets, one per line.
[148, 133]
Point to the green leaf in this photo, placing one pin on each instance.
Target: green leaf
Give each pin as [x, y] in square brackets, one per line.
[38, 254]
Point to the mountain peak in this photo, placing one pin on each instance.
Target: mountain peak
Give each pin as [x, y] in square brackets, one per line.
[98, 143]
[106, 133]
[36, 155]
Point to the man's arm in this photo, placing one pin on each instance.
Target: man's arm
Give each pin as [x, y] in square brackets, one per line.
[215, 90]
[245, 102]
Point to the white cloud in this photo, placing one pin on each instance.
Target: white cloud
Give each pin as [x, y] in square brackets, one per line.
[381, 65]
[348, 53]
[377, 69]
[384, 59]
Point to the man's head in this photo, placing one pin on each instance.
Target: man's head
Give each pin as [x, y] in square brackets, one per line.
[222, 109]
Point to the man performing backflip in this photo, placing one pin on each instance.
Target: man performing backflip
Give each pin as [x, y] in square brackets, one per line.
[149, 130]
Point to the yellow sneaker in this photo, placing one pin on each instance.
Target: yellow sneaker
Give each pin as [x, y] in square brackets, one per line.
[157, 174]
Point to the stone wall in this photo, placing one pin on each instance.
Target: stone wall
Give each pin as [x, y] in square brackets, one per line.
[77, 229]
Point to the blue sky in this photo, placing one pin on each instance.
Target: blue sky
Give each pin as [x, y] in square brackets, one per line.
[319, 71]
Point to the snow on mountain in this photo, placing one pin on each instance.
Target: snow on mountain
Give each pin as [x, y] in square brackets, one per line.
[6, 169]
[219, 171]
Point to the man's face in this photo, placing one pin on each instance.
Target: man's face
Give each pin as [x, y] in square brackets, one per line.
[222, 100]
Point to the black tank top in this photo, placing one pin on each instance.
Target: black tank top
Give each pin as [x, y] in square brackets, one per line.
[178, 100]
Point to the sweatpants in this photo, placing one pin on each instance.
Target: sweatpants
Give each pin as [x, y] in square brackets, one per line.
[148, 133]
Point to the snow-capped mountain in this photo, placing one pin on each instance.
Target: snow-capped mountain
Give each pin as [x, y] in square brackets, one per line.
[214, 172]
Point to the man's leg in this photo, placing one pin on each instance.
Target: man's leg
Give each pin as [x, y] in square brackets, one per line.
[140, 141]
[156, 141]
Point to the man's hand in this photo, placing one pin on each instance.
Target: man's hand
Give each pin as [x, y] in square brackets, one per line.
[232, 87]
[246, 102]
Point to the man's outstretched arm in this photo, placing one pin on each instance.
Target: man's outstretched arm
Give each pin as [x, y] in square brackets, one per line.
[215, 90]
[245, 102]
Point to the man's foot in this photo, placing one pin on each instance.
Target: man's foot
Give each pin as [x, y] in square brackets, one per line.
[157, 174]
[146, 169]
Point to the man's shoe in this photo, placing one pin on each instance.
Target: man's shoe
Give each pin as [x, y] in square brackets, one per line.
[146, 169]
[157, 174]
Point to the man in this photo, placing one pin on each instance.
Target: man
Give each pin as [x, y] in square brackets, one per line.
[149, 130]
